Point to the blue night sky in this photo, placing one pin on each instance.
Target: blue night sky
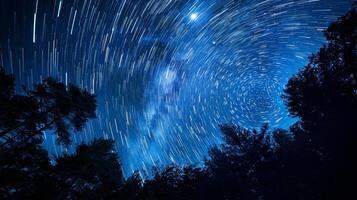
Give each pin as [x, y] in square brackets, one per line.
[166, 72]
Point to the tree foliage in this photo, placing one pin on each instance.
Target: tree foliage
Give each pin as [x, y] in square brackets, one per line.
[51, 106]
[25, 168]
[92, 172]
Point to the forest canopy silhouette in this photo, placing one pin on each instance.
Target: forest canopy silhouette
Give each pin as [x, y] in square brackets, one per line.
[313, 159]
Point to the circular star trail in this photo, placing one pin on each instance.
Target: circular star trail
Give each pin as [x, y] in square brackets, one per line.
[166, 72]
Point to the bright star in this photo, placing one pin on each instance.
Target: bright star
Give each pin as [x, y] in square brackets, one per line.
[194, 16]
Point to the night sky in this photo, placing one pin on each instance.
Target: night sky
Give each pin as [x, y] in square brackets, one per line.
[166, 72]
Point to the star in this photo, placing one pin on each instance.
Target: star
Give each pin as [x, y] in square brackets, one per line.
[194, 16]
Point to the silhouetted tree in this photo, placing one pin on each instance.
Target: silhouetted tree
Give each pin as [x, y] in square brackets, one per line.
[131, 188]
[93, 172]
[25, 168]
[50, 106]
[234, 168]
[14, 108]
[324, 96]
[324, 93]
[173, 182]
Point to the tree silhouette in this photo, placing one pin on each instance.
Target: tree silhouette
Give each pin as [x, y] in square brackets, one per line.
[131, 188]
[234, 169]
[324, 96]
[173, 182]
[91, 173]
[50, 106]
[324, 93]
[25, 168]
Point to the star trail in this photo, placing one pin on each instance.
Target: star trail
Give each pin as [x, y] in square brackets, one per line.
[166, 72]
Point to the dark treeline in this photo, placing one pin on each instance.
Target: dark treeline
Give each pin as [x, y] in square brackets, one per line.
[314, 159]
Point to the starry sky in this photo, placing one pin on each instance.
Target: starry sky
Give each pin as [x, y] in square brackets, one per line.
[166, 72]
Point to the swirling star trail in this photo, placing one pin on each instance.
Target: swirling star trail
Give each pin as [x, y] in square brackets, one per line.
[166, 72]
